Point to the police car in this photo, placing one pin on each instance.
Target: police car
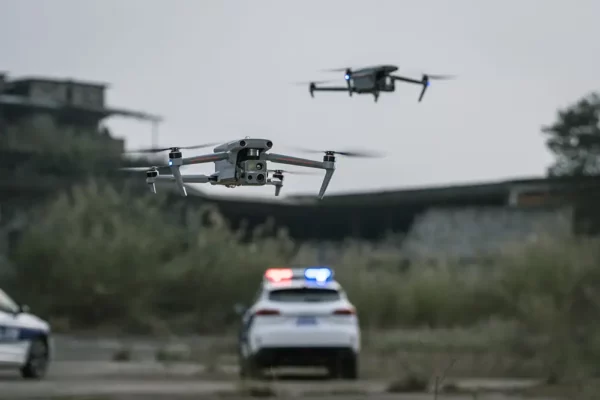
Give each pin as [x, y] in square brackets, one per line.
[24, 339]
[301, 317]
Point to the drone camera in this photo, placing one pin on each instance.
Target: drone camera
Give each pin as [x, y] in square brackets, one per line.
[254, 178]
[242, 143]
[254, 165]
[269, 144]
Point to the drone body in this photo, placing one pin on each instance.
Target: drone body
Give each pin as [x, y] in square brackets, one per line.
[241, 162]
[374, 80]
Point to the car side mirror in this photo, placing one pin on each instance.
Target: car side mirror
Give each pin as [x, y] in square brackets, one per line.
[239, 309]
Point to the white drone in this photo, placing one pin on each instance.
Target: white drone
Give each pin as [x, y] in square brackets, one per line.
[239, 163]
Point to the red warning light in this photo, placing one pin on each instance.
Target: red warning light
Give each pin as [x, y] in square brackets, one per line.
[279, 274]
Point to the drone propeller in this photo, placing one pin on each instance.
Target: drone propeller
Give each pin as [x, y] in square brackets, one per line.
[427, 77]
[336, 69]
[430, 77]
[311, 82]
[358, 154]
[161, 149]
[438, 77]
[142, 168]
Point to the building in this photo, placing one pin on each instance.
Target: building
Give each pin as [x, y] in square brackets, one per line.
[39, 115]
[466, 223]
[370, 216]
[66, 104]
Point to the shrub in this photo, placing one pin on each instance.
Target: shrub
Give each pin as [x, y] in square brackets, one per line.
[101, 257]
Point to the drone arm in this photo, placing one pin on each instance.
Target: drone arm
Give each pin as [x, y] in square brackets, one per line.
[425, 85]
[178, 179]
[186, 178]
[403, 79]
[204, 159]
[299, 162]
[330, 89]
[328, 175]
[196, 178]
[423, 82]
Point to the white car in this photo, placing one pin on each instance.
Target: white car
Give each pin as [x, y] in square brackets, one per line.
[301, 317]
[25, 340]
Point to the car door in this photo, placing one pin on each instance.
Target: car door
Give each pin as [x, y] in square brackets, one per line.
[12, 351]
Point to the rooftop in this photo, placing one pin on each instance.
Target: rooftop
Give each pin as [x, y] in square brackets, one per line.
[455, 191]
[37, 79]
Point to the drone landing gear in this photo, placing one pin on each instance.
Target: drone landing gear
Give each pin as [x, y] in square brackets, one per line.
[151, 176]
[278, 182]
[375, 96]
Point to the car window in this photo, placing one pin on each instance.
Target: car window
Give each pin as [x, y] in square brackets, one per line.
[7, 304]
[304, 295]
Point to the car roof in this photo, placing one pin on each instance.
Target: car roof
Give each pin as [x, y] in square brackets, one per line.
[299, 284]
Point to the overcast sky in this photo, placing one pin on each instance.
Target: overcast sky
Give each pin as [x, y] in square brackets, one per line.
[223, 69]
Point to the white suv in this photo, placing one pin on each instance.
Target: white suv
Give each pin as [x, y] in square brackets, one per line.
[301, 317]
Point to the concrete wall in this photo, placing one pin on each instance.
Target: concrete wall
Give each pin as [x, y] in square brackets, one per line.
[472, 232]
[470, 235]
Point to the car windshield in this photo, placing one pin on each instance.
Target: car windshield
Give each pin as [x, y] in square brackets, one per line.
[304, 295]
[6, 303]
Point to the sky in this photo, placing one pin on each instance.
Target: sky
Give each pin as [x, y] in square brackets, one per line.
[219, 70]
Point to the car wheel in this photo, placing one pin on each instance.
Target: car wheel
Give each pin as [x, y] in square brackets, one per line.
[249, 369]
[37, 360]
[242, 366]
[344, 367]
[349, 369]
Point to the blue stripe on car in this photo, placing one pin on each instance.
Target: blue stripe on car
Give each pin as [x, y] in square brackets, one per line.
[8, 334]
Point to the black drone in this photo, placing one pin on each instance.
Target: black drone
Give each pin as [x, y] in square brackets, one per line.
[373, 80]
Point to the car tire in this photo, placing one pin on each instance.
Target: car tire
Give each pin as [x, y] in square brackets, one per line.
[249, 368]
[349, 369]
[36, 365]
[344, 367]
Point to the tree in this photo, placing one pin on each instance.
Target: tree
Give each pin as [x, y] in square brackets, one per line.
[575, 138]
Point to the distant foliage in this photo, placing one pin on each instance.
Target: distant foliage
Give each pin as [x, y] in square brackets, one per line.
[574, 138]
[101, 257]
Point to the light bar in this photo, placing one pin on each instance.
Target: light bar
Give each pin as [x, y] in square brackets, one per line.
[310, 274]
[279, 274]
[318, 274]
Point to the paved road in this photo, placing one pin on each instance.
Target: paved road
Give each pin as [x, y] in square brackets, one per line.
[79, 378]
[84, 368]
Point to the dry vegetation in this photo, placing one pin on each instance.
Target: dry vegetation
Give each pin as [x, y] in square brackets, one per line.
[97, 258]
